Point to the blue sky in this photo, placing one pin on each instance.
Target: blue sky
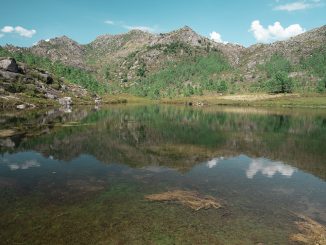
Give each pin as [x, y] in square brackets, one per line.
[25, 22]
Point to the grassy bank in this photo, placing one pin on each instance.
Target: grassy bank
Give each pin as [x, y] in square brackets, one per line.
[251, 100]
[264, 100]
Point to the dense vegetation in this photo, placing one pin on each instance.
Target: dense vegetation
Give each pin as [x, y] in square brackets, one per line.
[193, 75]
[277, 70]
[212, 73]
[316, 65]
[70, 74]
[278, 80]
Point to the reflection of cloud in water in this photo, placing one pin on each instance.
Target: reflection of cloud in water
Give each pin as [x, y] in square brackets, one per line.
[212, 163]
[25, 165]
[156, 169]
[268, 168]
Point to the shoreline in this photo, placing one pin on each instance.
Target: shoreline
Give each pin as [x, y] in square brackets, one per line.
[313, 101]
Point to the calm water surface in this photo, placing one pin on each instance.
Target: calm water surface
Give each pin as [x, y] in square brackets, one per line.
[80, 176]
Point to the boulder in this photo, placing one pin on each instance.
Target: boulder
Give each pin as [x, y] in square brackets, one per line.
[7, 143]
[50, 96]
[65, 101]
[21, 107]
[9, 64]
[9, 75]
[97, 100]
[46, 78]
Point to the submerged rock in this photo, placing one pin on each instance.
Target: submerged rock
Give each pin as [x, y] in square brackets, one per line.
[4, 133]
[21, 107]
[24, 106]
[191, 199]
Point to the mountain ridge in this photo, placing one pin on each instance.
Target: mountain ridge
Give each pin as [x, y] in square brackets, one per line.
[138, 58]
[136, 39]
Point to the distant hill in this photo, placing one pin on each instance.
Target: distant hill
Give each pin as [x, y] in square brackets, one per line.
[183, 62]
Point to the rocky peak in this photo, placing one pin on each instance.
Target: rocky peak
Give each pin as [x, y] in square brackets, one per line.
[120, 44]
[186, 29]
[63, 40]
[61, 49]
[184, 34]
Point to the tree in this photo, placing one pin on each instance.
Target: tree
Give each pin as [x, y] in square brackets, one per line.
[276, 64]
[141, 71]
[321, 85]
[280, 83]
[222, 86]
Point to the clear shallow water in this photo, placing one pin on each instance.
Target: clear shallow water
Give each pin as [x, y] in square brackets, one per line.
[81, 177]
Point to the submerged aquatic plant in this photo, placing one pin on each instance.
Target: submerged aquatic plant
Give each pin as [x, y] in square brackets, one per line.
[311, 232]
[191, 199]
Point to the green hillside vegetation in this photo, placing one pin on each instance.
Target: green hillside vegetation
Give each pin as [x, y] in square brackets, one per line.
[316, 65]
[278, 80]
[277, 70]
[70, 74]
[192, 76]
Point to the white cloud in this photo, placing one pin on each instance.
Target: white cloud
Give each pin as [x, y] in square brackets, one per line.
[7, 29]
[24, 32]
[299, 5]
[109, 22]
[141, 28]
[274, 32]
[268, 168]
[130, 27]
[25, 165]
[19, 30]
[214, 162]
[216, 37]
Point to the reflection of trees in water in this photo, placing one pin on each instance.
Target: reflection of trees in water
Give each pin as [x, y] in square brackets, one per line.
[181, 137]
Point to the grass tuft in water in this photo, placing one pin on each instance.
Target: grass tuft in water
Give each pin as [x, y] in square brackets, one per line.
[311, 232]
[191, 199]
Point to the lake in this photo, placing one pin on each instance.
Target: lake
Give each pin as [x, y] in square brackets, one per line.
[82, 176]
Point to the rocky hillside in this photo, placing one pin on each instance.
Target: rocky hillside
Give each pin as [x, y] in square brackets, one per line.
[293, 49]
[22, 86]
[62, 49]
[111, 47]
[127, 60]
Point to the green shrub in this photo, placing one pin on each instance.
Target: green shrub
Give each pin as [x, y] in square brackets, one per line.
[280, 83]
[222, 86]
[321, 85]
[141, 71]
[277, 63]
[315, 63]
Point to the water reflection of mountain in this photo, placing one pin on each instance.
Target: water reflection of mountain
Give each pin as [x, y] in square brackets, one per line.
[178, 137]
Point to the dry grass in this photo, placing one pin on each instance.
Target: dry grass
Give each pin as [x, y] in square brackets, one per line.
[191, 199]
[256, 97]
[265, 100]
[311, 232]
